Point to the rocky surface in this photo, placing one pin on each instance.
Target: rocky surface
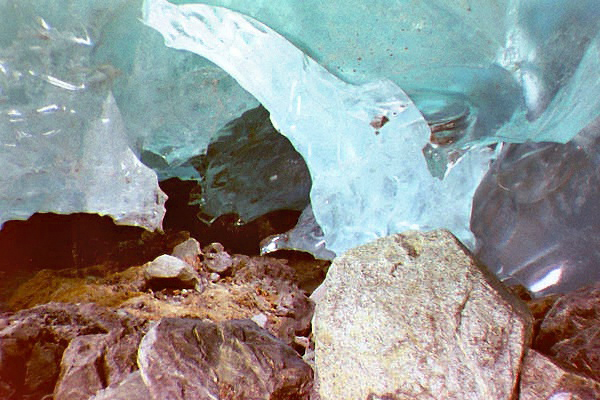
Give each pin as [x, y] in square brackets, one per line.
[229, 360]
[253, 286]
[188, 251]
[570, 331]
[544, 379]
[171, 272]
[83, 347]
[414, 316]
[216, 259]
[428, 309]
[75, 352]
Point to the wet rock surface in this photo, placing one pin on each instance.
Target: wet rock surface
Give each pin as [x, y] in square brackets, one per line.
[414, 316]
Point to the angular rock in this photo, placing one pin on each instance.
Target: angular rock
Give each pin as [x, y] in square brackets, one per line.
[34, 341]
[415, 316]
[233, 359]
[168, 271]
[569, 331]
[92, 362]
[81, 367]
[216, 259]
[188, 251]
[543, 379]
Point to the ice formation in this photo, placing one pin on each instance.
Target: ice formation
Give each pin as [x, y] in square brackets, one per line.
[63, 144]
[378, 166]
[362, 143]
[306, 236]
[86, 90]
[537, 213]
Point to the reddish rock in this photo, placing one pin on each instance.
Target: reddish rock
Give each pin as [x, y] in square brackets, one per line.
[216, 259]
[188, 251]
[193, 359]
[541, 378]
[171, 272]
[33, 344]
[569, 331]
[130, 388]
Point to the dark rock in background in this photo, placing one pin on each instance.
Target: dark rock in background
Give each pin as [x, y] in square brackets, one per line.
[570, 331]
[85, 244]
[251, 170]
[236, 236]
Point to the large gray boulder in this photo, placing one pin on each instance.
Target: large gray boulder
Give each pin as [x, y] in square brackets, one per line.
[169, 271]
[414, 316]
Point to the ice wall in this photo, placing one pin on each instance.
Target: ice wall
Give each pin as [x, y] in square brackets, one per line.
[536, 214]
[509, 71]
[362, 143]
[63, 144]
[84, 75]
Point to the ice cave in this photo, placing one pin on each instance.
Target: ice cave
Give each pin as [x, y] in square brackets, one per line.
[372, 117]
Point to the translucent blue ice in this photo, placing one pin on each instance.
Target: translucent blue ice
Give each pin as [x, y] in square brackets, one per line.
[382, 162]
[63, 144]
[86, 91]
[362, 143]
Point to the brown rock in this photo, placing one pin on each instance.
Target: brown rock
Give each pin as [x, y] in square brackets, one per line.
[93, 362]
[543, 379]
[67, 286]
[82, 367]
[216, 259]
[229, 360]
[569, 332]
[253, 286]
[130, 388]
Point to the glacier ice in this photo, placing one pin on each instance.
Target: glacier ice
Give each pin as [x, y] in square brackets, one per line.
[526, 73]
[536, 214]
[63, 144]
[362, 143]
[472, 74]
[306, 236]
